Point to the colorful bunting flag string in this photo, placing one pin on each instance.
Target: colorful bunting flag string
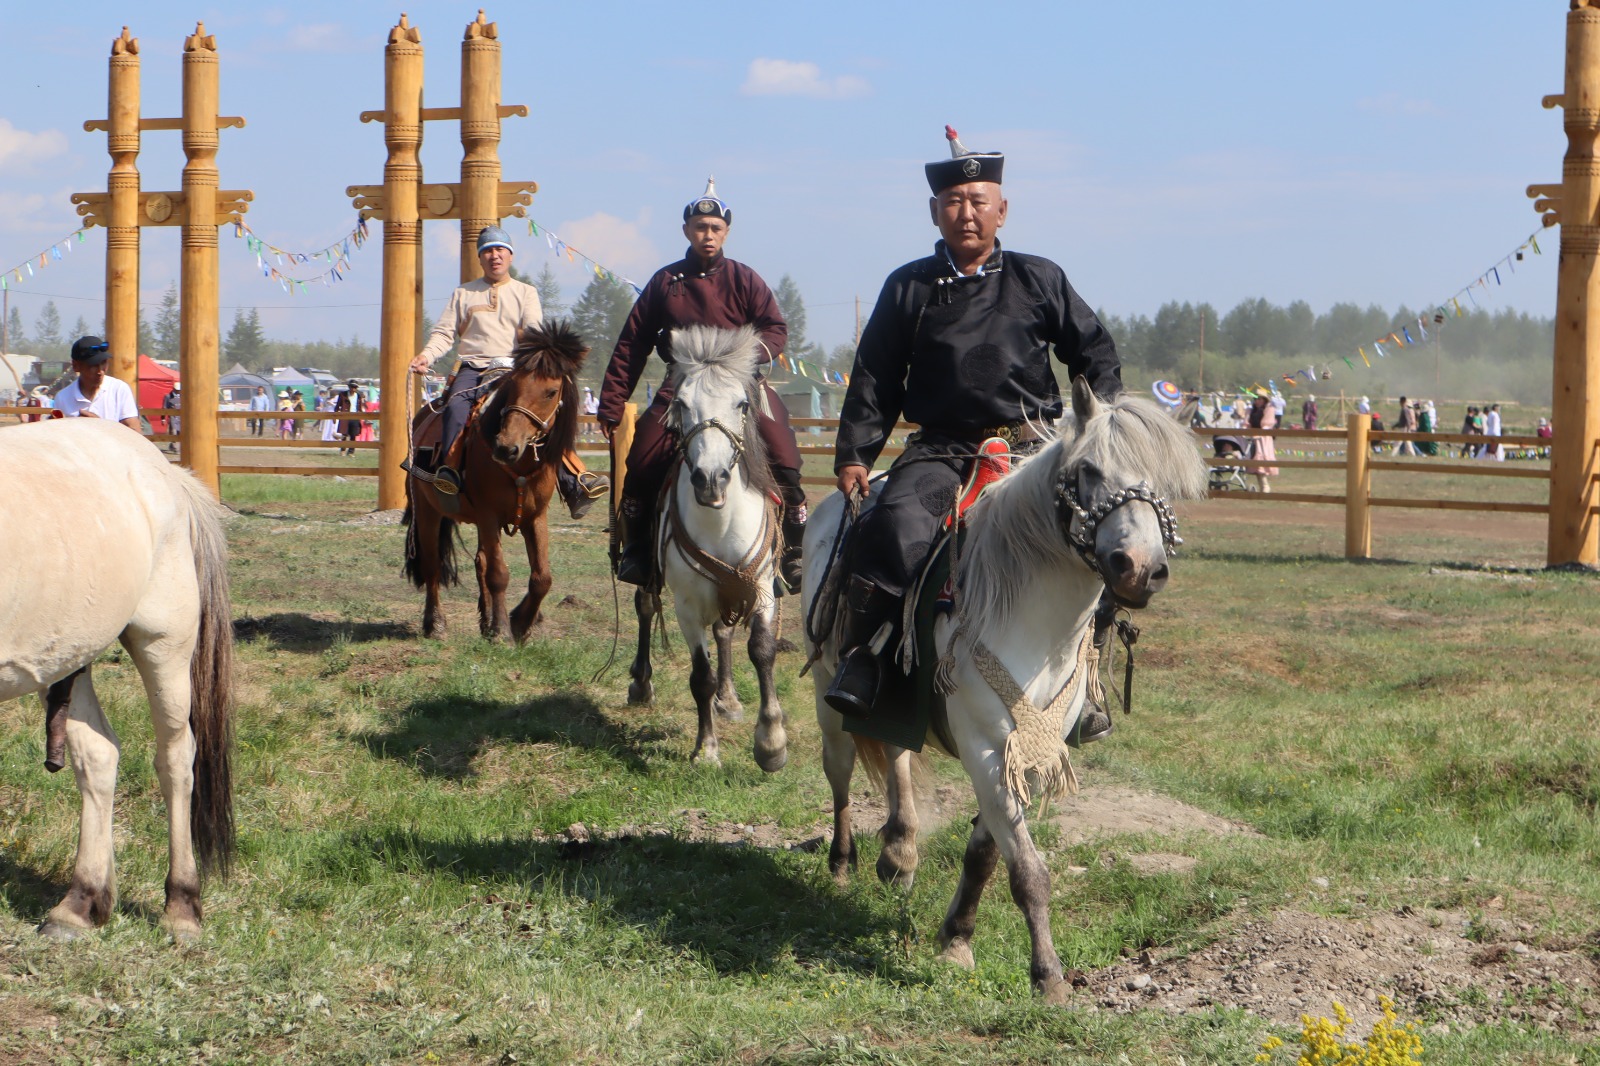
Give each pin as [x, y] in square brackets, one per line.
[811, 371]
[337, 255]
[52, 254]
[561, 247]
[1402, 337]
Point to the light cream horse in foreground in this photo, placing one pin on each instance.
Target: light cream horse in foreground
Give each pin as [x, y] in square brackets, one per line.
[103, 540]
[1089, 512]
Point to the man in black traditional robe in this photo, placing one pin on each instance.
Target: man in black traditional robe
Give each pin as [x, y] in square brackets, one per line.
[959, 343]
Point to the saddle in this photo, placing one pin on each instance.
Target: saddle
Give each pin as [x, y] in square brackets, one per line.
[909, 704]
[427, 431]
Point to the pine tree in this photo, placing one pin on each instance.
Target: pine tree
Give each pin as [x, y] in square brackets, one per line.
[245, 344]
[80, 328]
[549, 292]
[794, 313]
[165, 345]
[16, 338]
[601, 312]
[47, 332]
[147, 339]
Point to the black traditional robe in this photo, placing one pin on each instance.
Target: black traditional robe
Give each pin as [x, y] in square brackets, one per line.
[958, 354]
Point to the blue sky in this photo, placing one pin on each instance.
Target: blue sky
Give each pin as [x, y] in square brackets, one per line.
[1359, 151]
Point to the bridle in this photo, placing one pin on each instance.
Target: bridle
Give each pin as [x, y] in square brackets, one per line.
[736, 439]
[1070, 511]
[541, 425]
[532, 443]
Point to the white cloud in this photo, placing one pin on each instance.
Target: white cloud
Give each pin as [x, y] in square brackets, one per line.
[785, 77]
[20, 149]
[319, 37]
[615, 243]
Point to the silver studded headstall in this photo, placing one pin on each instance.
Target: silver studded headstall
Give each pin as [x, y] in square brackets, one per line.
[1070, 508]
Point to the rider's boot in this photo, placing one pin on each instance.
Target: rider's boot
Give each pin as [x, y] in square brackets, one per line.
[790, 564]
[635, 562]
[446, 480]
[579, 486]
[1095, 722]
[855, 684]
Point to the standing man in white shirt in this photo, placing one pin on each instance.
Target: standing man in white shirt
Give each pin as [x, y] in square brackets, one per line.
[483, 319]
[95, 394]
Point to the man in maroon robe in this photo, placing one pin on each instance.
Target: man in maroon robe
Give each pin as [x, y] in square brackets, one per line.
[704, 288]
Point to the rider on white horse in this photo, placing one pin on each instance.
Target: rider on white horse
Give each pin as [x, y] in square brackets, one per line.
[483, 320]
[959, 343]
[704, 288]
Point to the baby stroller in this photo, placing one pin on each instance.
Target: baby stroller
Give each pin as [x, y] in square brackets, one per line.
[1227, 477]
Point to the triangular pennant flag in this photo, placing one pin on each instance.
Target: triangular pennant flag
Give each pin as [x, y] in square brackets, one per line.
[1422, 328]
[1347, 362]
[1496, 271]
[1379, 349]
[1535, 242]
[1364, 358]
[1408, 335]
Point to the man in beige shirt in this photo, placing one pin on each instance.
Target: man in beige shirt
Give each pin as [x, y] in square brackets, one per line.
[483, 319]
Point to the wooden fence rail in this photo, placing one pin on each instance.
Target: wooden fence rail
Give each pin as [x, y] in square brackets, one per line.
[1349, 449]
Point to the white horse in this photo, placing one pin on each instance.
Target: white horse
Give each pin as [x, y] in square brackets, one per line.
[1088, 512]
[104, 540]
[717, 537]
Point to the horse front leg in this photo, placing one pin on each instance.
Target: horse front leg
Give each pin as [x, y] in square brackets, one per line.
[642, 690]
[1006, 821]
[977, 868]
[95, 752]
[897, 862]
[771, 741]
[703, 686]
[494, 577]
[536, 532]
[727, 699]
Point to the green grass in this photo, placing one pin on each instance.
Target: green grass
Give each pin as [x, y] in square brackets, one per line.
[406, 890]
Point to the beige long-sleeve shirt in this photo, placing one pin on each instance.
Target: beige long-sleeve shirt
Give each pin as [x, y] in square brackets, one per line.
[483, 321]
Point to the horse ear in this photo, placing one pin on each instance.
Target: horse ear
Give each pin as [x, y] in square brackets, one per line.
[1084, 404]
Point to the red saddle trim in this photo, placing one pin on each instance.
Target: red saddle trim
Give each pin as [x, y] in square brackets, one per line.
[994, 463]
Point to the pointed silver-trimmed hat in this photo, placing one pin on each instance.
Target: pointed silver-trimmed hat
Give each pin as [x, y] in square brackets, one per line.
[964, 165]
[709, 203]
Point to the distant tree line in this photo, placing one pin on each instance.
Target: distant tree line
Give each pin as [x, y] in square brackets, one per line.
[1478, 354]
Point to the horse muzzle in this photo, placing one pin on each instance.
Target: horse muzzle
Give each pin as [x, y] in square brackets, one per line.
[710, 489]
[1133, 576]
[508, 454]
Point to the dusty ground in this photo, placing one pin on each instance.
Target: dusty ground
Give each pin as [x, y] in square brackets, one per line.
[1436, 964]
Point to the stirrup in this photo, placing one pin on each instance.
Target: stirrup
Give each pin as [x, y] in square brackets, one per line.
[447, 481]
[1093, 724]
[593, 485]
[855, 685]
[631, 570]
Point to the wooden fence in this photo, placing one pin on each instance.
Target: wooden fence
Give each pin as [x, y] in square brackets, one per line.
[1350, 449]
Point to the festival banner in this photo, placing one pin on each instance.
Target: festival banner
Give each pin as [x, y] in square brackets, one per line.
[52, 254]
[560, 247]
[337, 255]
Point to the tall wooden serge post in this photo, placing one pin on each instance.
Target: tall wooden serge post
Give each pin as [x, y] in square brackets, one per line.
[1575, 204]
[403, 203]
[199, 207]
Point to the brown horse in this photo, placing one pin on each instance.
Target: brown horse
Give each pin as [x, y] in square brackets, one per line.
[510, 453]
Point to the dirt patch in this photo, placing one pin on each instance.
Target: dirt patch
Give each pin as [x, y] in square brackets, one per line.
[1098, 812]
[1434, 965]
[25, 1029]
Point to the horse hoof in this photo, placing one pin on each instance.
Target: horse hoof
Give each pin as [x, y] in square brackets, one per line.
[641, 693]
[1055, 992]
[895, 875]
[729, 710]
[51, 929]
[184, 933]
[705, 758]
[959, 953]
[772, 761]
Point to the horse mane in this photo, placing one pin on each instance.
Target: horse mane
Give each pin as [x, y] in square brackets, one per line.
[723, 361]
[552, 349]
[1014, 531]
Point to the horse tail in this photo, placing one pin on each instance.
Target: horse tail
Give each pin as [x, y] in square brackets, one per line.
[412, 569]
[875, 761]
[211, 681]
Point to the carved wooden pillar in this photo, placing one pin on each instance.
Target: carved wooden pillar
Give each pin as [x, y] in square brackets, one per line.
[1574, 471]
[480, 138]
[199, 311]
[402, 244]
[122, 210]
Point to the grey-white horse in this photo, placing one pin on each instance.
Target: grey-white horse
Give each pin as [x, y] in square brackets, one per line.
[104, 540]
[1089, 512]
[717, 537]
